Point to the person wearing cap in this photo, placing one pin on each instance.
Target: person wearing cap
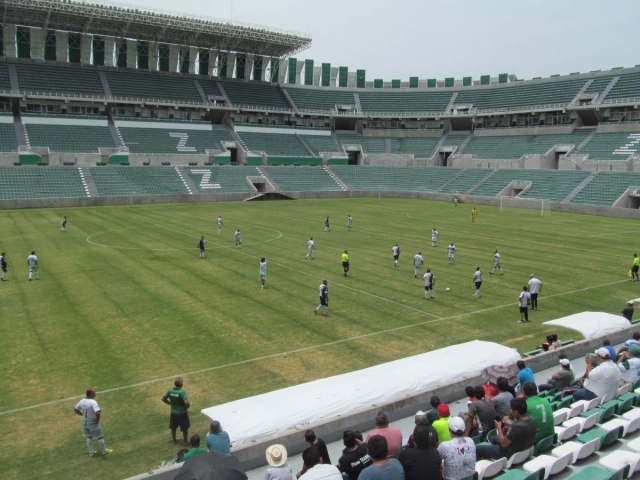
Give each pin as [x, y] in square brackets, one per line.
[540, 410]
[629, 364]
[606, 343]
[561, 379]
[441, 426]
[423, 461]
[432, 415]
[634, 339]
[278, 469]
[601, 381]
[355, 457]
[627, 312]
[314, 469]
[383, 467]
[459, 453]
[535, 287]
[393, 435]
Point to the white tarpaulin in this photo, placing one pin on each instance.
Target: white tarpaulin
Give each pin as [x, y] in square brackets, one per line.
[592, 324]
[283, 410]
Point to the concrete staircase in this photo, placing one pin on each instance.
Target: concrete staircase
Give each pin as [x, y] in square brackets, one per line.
[186, 179]
[606, 91]
[586, 140]
[21, 133]
[465, 143]
[576, 190]
[337, 142]
[336, 179]
[224, 94]
[268, 178]
[437, 190]
[87, 181]
[356, 97]
[289, 100]
[484, 179]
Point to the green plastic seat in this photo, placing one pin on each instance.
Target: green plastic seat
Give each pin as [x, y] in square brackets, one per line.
[635, 398]
[522, 475]
[477, 439]
[544, 444]
[595, 473]
[606, 438]
[608, 410]
[624, 404]
[566, 401]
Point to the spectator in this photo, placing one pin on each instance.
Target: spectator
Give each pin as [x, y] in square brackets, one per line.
[481, 415]
[355, 457]
[524, 300]
[459, 453]
[512, 436]
[196, 449]
[490, 389]
[432, 415]
[561, 379]
[278, 469]
[629, 364]
[421, 419]
[606, 343]
[358, 435]
[548, 344]
[318, 444]
[218, 439]
[383, 467]
[441, 426]
[393, 435]
[634, 339]
[535, 287]
[502, 401]
[627, 312]
[524, 375]
[556, 343]
[314, 469]
[468, 390]
[540, 410]
[601, 381]
[177, 398]
[423, 461]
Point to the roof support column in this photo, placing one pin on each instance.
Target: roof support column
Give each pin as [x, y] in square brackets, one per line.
[85, 48]
[109, 51]
[132, 53]
[37, 43]
[62, 46]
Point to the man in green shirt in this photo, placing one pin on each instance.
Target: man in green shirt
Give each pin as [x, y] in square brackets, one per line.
[345, 262]
[196, 449]
[177, 398]
[540, 410]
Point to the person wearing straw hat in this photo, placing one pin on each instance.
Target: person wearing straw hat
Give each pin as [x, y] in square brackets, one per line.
[278, 469]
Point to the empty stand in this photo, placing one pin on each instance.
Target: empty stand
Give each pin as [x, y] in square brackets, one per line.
[5, 82]
[394, 179]
[138, 181]
[384, 101]
[420, 147]
[40, 182]
[627, 87]
[255, 94]
[153, 86]
[606, 188]
[68, 135]
[302, 179]
[322, 100]
[274, 143]
[612, 146]
[8, 140]
[319, 143]
[369, 144]
[514, 146]
[467, 179]
[59, 79]
[223, 179]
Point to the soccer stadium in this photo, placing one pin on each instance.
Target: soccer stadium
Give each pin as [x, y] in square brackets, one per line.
[132, 139]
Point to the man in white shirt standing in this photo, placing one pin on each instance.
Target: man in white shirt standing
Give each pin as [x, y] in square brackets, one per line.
[524, 299]
[535, 287]
[32, 261]
[219, 223]
[601, 381]
[311, 246]
[396, 254]
[434, 237]
[89, 410]
[477, 280]
[451, 253]
[497, 263]
[418, 261]
[349, 223]
[263, 271]
[429, 281]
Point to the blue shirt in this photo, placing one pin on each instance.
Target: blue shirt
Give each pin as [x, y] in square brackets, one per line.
[390, 471]
[219, 442]
[612, 352]
[526, 375]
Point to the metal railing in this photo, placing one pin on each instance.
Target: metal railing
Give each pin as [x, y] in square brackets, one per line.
[613, 101]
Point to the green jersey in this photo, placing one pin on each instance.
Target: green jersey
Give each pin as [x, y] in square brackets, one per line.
[177, 397]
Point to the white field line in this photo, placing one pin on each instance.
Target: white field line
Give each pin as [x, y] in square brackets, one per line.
[611, 234]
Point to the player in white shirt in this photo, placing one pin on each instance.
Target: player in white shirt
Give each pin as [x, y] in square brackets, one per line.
[418, 261]
[311, 246]
[429, 282]
[451, 253]
[535, 287]
[455, 200]
[263, 271]
[89, 410]
[64, 224]
[32, 261]
[349, 223]
[238, 238]
[477, 280]
[219, 223]
[524, 299]
[4, 265]
[497, 263]
[434, 237]
[396, 254]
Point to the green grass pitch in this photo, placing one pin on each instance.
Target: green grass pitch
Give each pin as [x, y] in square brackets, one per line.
[124, 304]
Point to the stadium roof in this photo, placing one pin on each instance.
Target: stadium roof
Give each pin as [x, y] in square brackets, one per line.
[126, 21]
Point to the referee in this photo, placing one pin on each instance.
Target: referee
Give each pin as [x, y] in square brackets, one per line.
[345, 262]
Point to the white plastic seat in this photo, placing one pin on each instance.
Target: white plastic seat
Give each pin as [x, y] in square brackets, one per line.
[619, 458]
[588, 404]
[631, 414]
[628, 426]
[559, 417]
[585, 422]
[568, 432]
[577, 450]
[626, 388]
[608, 397]
[520, 457]
[488, 468]
[573, 410]
[552, 465]
[634, 445]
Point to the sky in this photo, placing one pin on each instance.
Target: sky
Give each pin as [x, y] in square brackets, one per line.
[447, 38]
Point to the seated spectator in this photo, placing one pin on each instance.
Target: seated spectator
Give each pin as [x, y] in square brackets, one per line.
[525, 374]
[423, 461]
[218, 439]
[384, 467]
[634, 339]
[459, 453]
[629, 364]
[502, 401]
[441, 426]
[432, 415]
[606, 343]
[490, 389]
[556, 343]
[561, 379]
[318, 444]
[540, 410]
[627, 312]
[421, 419]
[194, 441]
[548, 344]
[601, 381]
[481, 414]
[278, 469]
[355, 457]
[512, 435]
[545, 347]
[393, 435]
[468, 390]
[314, 469]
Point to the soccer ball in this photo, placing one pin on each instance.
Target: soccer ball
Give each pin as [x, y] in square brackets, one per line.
[447, 289]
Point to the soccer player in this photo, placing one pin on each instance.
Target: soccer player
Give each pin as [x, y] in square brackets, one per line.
[474, 214]
[429, 281]
[202, 243]
[477, 280]
[311, 246]
[177, 398]
[396, 254]
[524, 299]
[497, 263]
[32, 261]
[349, 223]
[451, 253]
[219, 223]
[635, 267]
[418, 261]
[238, 238]
[535, 287]
[324, 299]
[455, 200]
[326, 224]
[345, 262]
[89, 410]
[4, 265]
[64, 224]
[434, 237]
[263, 271]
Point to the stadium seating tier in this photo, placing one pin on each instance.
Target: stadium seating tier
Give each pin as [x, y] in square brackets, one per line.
[18, 183]
[137, 181]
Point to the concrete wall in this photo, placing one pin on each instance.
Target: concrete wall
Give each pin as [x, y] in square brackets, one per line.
[617, 127]
[401, 133]
[504, 132]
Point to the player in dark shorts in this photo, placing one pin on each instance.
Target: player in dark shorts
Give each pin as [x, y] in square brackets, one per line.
[324, 299]
[634, 268]
[4, 265]
[345, 262]
[177, 398]
[326, 224]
